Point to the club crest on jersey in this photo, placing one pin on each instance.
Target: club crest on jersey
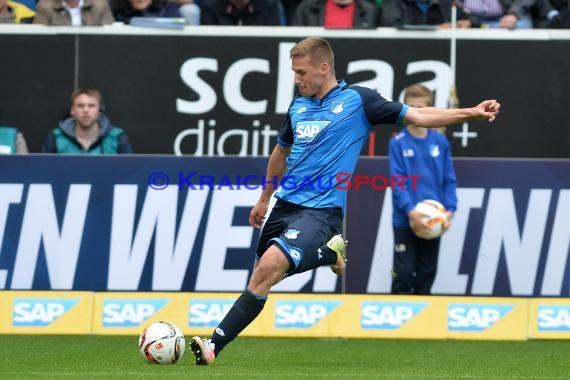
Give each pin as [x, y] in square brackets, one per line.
[307, 130]
[292, 233]
[434, 150]
[337, 107]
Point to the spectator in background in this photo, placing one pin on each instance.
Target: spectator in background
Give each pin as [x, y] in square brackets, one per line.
[289, 8]
[240, 12]
[73, 12]
[12, 141]
[396, 13]
[560, 5]
[379, 5]
[190, 10]
[562, 19]
[28, 3]
[426, 153]
[507, 14]
[12, 12]
[125, 10]
[542, 12]
[336, 14]
[87, 130]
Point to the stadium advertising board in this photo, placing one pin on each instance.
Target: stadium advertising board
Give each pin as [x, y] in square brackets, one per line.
[25, 312]
[487, 318]
[396, 317]
[128, 313]
[549, 318]
[104, 224]
[226, 94]
[284, 315]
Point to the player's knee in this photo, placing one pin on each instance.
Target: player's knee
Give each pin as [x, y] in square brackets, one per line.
[266, 274]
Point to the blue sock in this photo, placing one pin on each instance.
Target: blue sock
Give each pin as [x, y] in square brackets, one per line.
[246, 308]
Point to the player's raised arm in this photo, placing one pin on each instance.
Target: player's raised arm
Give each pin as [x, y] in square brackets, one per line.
[431, 117]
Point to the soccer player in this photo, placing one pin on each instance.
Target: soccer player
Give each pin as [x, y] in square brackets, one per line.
[322, 135]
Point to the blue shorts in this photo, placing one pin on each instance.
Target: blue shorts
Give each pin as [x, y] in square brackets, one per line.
[299, 232]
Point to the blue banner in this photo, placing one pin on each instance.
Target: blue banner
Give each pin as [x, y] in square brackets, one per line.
[180, 224]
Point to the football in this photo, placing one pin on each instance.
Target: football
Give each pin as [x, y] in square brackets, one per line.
[161, 343]
[433, 218]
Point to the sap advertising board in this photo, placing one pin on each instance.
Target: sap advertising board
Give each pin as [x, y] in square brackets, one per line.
[100, 226]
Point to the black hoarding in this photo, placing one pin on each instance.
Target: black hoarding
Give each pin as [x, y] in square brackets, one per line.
[225, 94]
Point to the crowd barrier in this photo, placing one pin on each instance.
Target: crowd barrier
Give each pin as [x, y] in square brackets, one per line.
[289, 315]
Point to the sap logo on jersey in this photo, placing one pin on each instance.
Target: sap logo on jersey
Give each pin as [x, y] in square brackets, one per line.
[130, 313]
[302, 314]
[474, 317]
[38, 311]
[307, 130]
[206, 313]
[553, 318]
[388, 315]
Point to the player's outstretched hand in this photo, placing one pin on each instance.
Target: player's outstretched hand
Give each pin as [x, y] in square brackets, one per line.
[488, 109]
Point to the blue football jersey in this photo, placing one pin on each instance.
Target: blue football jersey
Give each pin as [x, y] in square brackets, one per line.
[326, 137]
[429, 160]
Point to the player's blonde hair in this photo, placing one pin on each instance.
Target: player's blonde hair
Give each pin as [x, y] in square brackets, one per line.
[317, 48]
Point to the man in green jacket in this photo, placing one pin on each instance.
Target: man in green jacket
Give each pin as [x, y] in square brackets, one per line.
[88, 130]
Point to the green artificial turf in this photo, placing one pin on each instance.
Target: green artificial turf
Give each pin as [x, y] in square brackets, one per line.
[117, 357]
